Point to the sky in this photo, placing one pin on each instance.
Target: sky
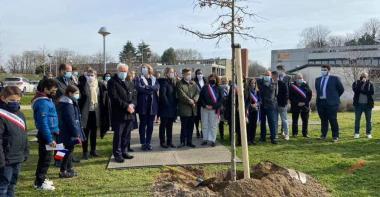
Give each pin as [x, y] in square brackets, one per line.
[73, 24]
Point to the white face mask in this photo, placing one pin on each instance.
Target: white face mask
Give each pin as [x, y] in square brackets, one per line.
[144, 71]
[324, 72]
[90, 78]
[200, 76]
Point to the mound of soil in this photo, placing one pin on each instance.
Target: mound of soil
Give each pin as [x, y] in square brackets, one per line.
[267, 179]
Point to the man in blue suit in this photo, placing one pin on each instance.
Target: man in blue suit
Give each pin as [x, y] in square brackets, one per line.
[329, 88]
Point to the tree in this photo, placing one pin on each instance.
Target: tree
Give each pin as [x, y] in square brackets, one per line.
[314, 37]
[371, 27]
[128, 55]
[169, 57]
[336, 41]
[143, 52]
[255, 69]
[187, 54]
[155, 58]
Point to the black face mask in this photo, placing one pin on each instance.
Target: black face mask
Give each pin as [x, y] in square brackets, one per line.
[212, 82]
[13, 106]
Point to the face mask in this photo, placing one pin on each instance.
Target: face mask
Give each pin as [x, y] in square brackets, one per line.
[76, 96]
[171, 75]
[324, 72]
[68, 75]
[200, 76]
[299, 81]
[90, 79]
[75, 74]
[107, 78]
[212, 82]
[187, 78]
[266, 78]
[122, 75]
[13, 106]
[144, 71]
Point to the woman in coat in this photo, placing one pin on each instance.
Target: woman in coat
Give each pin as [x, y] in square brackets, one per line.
[200, 81]
[167, 107]
[252, 106]
[104, 106]
[211, 100]
[70, 128]
[147, 104]
[89, 106]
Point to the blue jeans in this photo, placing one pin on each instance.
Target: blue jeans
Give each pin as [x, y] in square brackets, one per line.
[8, 179]
[267, 113]
[359, 109]
[283, 113]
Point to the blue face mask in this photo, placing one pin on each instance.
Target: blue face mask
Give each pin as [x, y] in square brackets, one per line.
[76, 96]
[266, 78]
[13, 106]
[122, 75]
[107, 78]
[68, 75]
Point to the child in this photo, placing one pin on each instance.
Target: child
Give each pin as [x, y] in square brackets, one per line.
[70, 127]
[13, 139]
[46, 120]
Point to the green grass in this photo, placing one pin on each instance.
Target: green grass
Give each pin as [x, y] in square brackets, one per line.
[27, 99]
[325, 161]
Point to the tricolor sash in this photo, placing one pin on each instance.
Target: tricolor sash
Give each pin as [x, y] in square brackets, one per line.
[212, 95]
[253, 97]
[299, 91]
[13, 118]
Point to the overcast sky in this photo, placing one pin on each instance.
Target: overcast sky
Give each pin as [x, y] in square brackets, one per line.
[73, 24]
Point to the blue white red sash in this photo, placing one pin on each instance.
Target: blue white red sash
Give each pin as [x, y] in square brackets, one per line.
[13, 118]
[254, 97]
[211, 93]
[299, 91]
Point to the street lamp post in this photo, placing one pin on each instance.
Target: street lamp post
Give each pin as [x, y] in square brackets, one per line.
[103, 31]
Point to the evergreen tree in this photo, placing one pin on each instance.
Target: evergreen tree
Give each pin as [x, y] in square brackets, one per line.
[128, 55]
[169, 56]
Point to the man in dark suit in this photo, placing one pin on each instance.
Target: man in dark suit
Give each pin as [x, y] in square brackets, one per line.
[329, 88]
[64, 79]
[123, 97]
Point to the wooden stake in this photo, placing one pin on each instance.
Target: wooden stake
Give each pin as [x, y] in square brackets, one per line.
[242, 118]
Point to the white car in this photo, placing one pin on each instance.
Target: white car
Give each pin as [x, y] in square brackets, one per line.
[22, 83]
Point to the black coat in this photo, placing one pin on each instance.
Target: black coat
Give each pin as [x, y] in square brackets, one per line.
[70, 122]
[205, 99]
[199, 90]
[167, 99]
[296, 98]
[84, 101]
[13, 140]
[363, 88]
[283, 94]
[266, 95]
[62, 84]
[121, 94]
[104, 109]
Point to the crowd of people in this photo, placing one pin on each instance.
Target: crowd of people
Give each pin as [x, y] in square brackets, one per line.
[74, 109]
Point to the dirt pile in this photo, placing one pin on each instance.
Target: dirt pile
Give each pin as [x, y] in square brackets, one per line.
[267, 179]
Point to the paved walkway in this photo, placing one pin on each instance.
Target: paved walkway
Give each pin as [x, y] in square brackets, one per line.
[173, 156]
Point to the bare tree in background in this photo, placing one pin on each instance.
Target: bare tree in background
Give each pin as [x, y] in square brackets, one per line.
[336, 41]
[187, 54]
[371, 27]
[314, 37]
[354, 65]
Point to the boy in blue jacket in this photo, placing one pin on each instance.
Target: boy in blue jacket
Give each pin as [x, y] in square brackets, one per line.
[46, 120]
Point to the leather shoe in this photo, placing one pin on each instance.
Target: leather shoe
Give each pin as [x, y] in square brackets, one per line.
[119, 159]
[127, 156]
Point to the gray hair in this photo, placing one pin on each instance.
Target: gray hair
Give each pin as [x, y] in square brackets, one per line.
[298, 75]
[120, 65]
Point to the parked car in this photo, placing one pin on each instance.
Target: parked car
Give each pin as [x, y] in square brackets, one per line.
[22, 83]
[35, 84]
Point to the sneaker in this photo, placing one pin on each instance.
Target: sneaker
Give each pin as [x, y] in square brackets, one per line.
[356, 136]
[369, 136]
[335, 140]
[45, 187]
[286, 137]
[49, 182]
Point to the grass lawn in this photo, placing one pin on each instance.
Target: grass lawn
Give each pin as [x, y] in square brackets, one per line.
[326, 161]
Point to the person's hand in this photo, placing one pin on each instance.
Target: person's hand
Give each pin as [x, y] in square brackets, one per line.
[79, 140]
[208, 106]
[53, 144]
[254, 105]
[192, 102]
[131, 108]
[301, 104]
